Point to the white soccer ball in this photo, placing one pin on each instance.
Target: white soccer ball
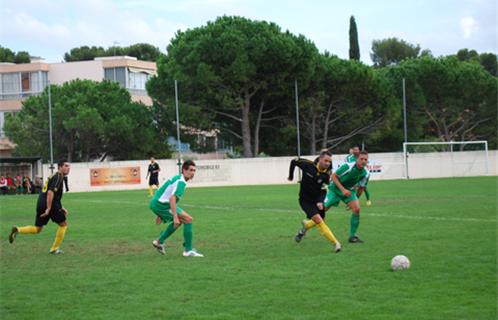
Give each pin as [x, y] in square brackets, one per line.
[400, 262]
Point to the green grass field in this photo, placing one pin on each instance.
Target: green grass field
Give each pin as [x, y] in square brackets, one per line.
[253, 269]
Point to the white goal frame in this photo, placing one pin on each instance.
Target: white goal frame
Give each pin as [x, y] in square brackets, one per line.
[450, 143]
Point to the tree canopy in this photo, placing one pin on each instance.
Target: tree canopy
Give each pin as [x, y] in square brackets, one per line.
[91, 120]
[448, 99]
[233, 69]
[393, 50]
[141, 51]
[7, 55]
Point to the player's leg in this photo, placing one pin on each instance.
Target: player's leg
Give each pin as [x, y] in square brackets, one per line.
[187, 220]
[354, 204]
[23, 230]
[58, 216]
[325, 230]
[151, 192]
[163, 213]
[307, 223]
[37, 228]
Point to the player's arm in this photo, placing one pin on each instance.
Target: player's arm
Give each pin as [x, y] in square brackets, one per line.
[50, 200]
[301, 163]
[158, 169]
[148, 172]
[172, 205]
[339, 185]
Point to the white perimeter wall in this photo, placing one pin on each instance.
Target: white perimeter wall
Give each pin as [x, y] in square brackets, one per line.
[255, 171]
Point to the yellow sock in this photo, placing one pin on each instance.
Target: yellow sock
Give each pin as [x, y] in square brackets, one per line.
[309, 224]
[326, 232]
[27, 229]
[59, 236]
[151, 193]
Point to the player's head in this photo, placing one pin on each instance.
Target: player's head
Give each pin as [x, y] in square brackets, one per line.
[362, 159]
[355, 150]
[188, 169]
[325, 159]
[63, 166]
[152, 159]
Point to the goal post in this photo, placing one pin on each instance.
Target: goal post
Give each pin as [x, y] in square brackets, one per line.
[446, 159]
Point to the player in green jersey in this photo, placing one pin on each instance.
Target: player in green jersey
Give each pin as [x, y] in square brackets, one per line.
[344, 181]
[354, 152]
[164, 204]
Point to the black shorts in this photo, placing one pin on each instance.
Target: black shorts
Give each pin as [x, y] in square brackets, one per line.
[153, 181]
[56, 215]
[310, 208]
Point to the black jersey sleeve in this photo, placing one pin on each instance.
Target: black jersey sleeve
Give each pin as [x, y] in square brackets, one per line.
[301, 163]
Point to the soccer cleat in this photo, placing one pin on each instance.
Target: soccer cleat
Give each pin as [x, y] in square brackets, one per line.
[299, 236]
[13, 234]
[338, 247]
[56, 251]
[192, 253]
[301, 233]
[160, 247]
[355, 239]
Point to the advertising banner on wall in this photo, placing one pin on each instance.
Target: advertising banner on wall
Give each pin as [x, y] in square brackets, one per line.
[113, 176]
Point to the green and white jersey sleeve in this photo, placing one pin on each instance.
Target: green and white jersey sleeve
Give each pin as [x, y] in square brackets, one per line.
[344, 169]
[364, 182]
[174, 186]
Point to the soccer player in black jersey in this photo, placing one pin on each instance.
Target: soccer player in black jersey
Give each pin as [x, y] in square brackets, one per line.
[153, 175]
[312, 194]
[49, 207]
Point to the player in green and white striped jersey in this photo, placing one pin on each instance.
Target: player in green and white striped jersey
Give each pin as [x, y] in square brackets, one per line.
[164, 205]
[342, 188]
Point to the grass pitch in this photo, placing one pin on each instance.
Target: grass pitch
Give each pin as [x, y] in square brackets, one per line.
[253, 269]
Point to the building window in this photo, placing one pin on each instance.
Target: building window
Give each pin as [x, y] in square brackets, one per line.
[11, 86]
[18, 85]
[137, 80]
[116, 74]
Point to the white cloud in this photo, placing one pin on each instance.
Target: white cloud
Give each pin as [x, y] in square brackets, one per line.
[468, 26]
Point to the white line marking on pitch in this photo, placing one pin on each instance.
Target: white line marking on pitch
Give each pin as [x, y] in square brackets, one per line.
[370, 214]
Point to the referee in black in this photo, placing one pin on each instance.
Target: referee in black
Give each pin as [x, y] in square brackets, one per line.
[312, 193]
[153, 175]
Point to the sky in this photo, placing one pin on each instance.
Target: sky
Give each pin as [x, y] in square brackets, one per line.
[49, 28]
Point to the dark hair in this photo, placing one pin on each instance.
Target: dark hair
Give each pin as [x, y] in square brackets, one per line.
[364, 152]
[187, 164]
[355, 146]
[61, 162]
[325, 152]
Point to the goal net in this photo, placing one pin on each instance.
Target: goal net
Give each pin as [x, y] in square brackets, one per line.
[445, 159]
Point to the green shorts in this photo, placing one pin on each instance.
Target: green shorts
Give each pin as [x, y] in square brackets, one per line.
[163, 210]
[333, 198]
